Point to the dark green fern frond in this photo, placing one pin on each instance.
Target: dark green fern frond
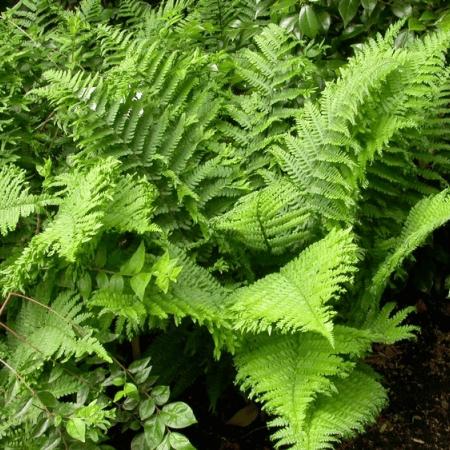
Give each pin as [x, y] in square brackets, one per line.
[36, 16]
[273, 219]
[428, 215]
[132, 12]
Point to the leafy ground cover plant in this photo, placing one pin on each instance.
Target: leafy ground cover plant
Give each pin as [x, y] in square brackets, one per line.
[160, 194]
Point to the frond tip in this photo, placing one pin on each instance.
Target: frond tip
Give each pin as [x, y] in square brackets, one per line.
[295, 298]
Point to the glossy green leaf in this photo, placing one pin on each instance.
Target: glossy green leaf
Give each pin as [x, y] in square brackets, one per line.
[147, 408]
[443, 22]
[166, 271]
[348, 9]
[165, 444]
[77, 429]
[308, 21]
[178, 415]
[402, 9]
[415, 24]
[161, 394]
[139, 364]
[179, 442]
[325, 20]
[116, 282]
[102, 280]
[42, 427]
[47, 399]
[138, 442]
[154, 429]
[369, 5]
[84, 284]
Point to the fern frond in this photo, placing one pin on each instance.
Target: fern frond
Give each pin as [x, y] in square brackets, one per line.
[273, 219]
[132, 206]
[78, 220]
[57, 333]
[290, 374]
[297, 298]
[129, 310]
[195, 295]
[357, 401]
[426, 216]
[15, 199]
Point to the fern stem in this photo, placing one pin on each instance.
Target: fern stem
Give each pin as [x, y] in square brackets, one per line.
[48, 308]
[136, 347]
[5, 303]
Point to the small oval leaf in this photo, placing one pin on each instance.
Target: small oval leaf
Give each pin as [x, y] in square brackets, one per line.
[147, 408]
[347, 10]
[77, 429]
[178, 415]
[308, 21]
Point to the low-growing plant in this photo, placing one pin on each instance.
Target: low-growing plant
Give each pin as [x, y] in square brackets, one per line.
[157, 192]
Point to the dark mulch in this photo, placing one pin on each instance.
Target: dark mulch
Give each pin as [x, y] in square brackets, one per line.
[416, 374]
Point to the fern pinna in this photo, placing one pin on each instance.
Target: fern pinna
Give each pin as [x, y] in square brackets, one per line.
[143, 153]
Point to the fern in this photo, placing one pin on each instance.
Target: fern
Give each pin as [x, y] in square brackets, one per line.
[147, 149]
[305, 382]
[427, 215]
[296, 298]
[56, 333]
[273, 219]
[16, 201]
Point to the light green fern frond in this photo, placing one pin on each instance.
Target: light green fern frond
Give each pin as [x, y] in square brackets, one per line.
[356, 402]
[131, 207]
[78, 220]
[127, 310]
[381, 92]
[286, 373]
[297, 298]
[195, 295]
[51, 331]
[15, 199]
[310, 386]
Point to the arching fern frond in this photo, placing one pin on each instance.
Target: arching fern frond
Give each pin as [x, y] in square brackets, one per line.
[297, 298]
[426, 216]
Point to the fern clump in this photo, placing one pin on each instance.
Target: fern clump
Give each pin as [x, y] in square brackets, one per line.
[188, 176]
